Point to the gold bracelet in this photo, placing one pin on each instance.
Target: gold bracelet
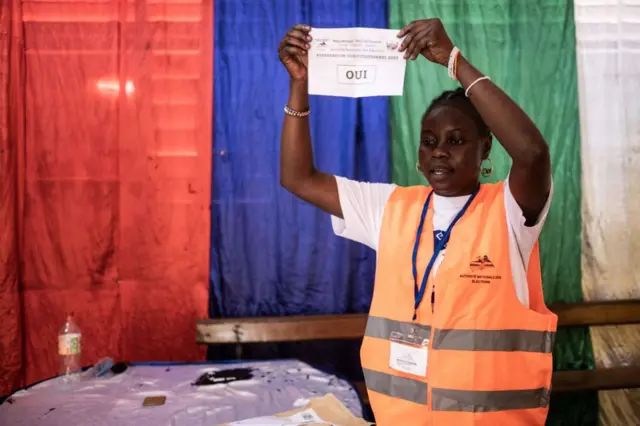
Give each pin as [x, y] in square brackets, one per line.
[297, 114]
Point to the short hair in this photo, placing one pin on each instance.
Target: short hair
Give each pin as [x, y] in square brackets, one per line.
[458, 99]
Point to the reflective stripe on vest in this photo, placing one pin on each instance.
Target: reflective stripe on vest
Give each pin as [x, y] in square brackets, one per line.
[494, 340]
[466, 340]
[382, 328]
[463, 340]
[455, 400]
[396, 386]
[486, 401]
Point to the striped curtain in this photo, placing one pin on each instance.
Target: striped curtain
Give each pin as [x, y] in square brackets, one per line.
[159, 167]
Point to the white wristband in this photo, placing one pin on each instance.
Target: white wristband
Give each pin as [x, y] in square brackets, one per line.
[466, 92]
[452, 63]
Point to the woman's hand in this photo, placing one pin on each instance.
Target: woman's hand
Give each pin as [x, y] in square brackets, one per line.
[292, 51]
[429, 38]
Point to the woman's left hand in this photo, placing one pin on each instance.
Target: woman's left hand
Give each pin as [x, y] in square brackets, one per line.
[427, 37]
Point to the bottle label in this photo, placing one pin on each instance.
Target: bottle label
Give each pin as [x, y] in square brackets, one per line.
[69, 344]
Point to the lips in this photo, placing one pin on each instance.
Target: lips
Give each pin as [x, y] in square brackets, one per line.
[440, 170]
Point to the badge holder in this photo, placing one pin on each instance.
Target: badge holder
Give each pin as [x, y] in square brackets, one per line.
[408, 353]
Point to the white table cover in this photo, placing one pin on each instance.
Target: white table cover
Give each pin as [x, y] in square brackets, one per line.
[117, 401]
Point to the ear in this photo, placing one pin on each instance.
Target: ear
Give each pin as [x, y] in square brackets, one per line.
[486, 144]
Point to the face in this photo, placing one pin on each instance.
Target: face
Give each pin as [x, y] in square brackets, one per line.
[451, 151]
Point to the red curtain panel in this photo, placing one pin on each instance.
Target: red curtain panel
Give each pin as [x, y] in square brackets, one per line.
[107, 193]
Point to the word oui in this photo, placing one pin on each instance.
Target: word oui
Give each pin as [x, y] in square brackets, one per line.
[357, 75]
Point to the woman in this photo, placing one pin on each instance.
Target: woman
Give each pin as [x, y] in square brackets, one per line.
[458, 332]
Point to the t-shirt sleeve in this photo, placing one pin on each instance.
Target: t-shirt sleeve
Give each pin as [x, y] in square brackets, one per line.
[362, 206]
[526, 236]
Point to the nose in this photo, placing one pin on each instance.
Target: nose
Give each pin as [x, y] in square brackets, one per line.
[439, 152]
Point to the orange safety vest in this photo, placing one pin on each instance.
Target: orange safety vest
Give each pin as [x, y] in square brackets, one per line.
[489, 358]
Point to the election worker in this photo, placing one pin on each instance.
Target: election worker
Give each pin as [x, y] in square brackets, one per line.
[458, 332]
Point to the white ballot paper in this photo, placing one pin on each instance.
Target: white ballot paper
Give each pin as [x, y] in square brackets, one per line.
[355, 62]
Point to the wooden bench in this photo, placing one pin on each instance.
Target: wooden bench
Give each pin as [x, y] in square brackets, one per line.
[351, 327]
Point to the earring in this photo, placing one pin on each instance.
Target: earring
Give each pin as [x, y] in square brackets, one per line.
[486, 171]
[418, 167]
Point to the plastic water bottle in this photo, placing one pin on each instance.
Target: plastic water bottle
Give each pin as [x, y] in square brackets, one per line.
[70, 349]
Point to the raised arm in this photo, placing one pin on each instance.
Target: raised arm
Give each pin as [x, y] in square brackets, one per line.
[297, 173]
[530, 176]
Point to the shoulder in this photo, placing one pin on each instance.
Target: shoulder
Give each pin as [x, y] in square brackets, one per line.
[362, 205]
[499, 195]
[409, 194]
[404, 204]
[354, 188]
[515, 215]
[493, 191]
[523, 237]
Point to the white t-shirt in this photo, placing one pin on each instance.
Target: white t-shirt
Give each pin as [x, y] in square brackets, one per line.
[363, 207]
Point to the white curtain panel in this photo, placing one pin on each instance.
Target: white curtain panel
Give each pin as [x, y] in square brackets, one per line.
[608, 53]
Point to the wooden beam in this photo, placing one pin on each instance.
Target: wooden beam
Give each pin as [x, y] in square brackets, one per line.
[351, 326]
[600, 379]
[281, 329]
[619, 312]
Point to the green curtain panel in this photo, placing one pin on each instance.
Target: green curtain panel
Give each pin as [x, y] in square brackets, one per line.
[528, 49]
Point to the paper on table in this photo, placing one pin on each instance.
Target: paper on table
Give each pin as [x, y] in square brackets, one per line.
[356, 62]
[305, 417]
[324, 411]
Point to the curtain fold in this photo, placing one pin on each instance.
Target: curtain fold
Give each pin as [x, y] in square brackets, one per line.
[608, 37]
[116, 176]
[272, 254]
[528, 49]
[11, 194]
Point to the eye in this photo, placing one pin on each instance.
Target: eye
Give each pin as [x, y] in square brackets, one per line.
[456, 141]
[428, 141]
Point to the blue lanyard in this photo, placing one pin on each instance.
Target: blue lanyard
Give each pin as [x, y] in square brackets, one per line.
[437, 248]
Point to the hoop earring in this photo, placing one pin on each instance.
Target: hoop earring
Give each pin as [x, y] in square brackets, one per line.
[486, 171]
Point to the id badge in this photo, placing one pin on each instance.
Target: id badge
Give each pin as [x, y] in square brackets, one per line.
[408, 353]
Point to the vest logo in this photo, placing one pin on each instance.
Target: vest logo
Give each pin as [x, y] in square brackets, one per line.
[481, 263]
[478, 265]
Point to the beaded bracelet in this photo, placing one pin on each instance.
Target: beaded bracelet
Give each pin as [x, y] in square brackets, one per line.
[297, 114]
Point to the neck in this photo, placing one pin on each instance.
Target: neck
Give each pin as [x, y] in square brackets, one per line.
[458, 193]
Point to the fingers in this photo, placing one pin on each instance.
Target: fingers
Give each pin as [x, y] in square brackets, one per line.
[301, 27]
[417, 43]
[414, 27]
[296, 40]
[409, 38]
[293, 51]
[407, 29]
[418, 35]
[300, 32]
